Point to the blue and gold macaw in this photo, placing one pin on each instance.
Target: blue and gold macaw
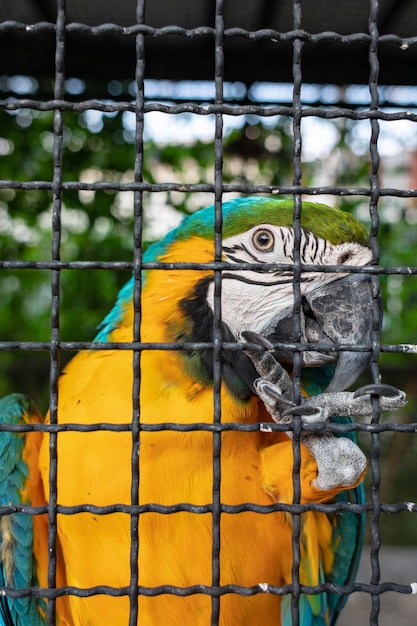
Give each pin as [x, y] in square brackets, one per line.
[177, 305]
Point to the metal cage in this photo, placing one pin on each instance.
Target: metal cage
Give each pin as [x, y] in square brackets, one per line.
[301, 43]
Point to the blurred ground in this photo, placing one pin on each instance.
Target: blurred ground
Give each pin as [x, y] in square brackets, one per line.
[397, 565]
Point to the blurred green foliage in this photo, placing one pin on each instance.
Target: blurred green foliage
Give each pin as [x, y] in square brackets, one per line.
[98, 226]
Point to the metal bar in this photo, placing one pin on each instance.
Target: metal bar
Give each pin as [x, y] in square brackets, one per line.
[55, 305]
[208, 109]
[217, 313]
[267, 34]
[137, 318]
[296, 373]
[374, 185]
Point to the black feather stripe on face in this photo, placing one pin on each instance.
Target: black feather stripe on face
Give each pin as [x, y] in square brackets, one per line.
[238, 372]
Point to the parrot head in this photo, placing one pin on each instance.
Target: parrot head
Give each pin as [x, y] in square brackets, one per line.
[335, 307]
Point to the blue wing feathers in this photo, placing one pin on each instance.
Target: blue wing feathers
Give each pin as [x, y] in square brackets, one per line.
[347, 535]
[17, 563]
[307, 616]
[347, 540]
[347, 544]
[5, 614]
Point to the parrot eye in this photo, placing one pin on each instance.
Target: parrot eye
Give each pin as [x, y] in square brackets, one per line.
[263, 240]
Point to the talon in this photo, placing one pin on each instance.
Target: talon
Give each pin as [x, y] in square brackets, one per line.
[377, 389]
[271, 391]
[252, 337]
[305, 410]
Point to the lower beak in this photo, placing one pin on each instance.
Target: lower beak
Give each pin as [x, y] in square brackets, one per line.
[337, 313]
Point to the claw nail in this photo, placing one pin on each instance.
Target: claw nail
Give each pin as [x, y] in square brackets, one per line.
[252, 337]
[377, 389]
[301, 410]
[271, 391]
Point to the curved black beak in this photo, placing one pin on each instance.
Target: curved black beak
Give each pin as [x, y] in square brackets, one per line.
[339, 312]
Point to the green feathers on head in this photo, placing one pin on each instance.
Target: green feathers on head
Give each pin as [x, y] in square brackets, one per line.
[242, 214]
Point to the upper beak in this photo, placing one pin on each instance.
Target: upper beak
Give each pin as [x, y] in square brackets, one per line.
[343, 309]
[336, 313]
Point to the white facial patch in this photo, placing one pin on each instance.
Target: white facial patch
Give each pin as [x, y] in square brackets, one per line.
[253, 300]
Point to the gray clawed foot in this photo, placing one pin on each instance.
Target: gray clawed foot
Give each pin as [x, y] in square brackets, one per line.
[358, 403]
[268, 368]
[340, 462]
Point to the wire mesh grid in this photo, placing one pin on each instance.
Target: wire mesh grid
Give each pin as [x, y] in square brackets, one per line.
[219, 108]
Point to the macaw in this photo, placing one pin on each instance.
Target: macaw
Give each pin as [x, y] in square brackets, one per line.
[94, 467]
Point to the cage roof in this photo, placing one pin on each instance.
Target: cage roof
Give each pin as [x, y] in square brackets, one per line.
[180, 39]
